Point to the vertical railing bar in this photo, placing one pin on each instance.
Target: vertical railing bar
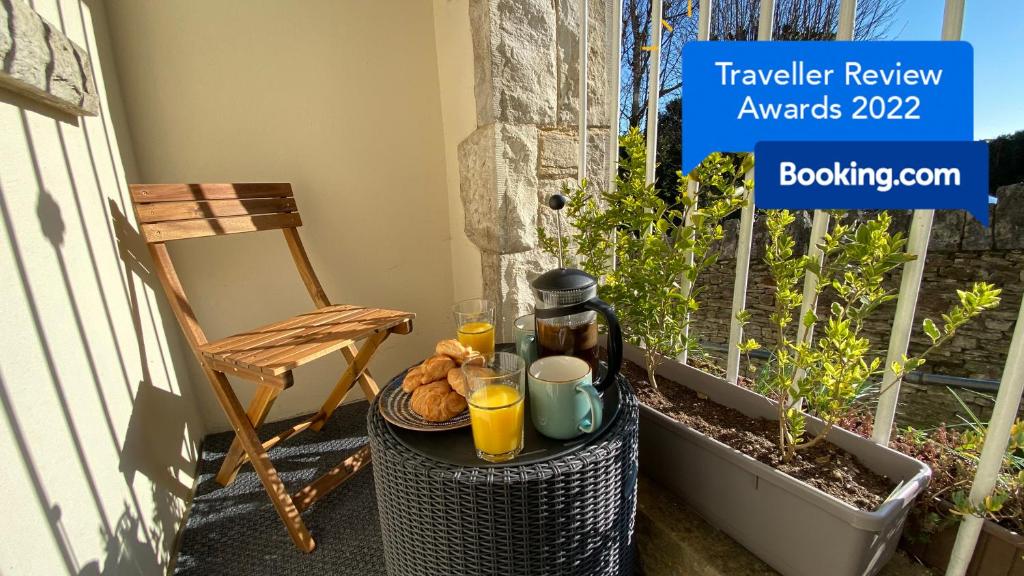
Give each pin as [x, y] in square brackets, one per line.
[902, 324]
[910, 286]
[739, 289]
[581, 170]
[653, 87]
[704, 20]
[614, 89]
[1007, 399]
[997, 437]
[847, 19]
[743, 249]
[819, 224]
[692, 186]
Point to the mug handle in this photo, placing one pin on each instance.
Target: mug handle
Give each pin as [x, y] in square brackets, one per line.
[593, 420]
[614, 342]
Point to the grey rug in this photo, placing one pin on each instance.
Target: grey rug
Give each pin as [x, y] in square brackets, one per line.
[235, 530]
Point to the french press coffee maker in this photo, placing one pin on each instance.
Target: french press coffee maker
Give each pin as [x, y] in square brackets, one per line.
[566, 310]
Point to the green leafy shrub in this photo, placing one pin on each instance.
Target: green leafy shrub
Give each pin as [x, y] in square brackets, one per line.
[834, 370]
[953, 454]
[653, 284]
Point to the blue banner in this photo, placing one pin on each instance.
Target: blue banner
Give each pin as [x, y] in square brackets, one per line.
[873, 175]
[739, 93]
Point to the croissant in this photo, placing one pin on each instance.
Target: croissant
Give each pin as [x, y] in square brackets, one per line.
[455, 350]
[457, 377]
[437, 401]
[413, 378]
[436, 368]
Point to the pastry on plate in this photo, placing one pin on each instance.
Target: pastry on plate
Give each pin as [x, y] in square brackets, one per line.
[413, 378]
[457, 377]
[455, 350]
[437, 401]
[436, 368]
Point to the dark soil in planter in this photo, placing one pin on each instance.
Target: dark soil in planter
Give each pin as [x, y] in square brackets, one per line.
[826, 467]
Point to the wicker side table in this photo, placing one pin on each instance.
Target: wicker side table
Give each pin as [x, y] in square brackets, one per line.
[570, 515]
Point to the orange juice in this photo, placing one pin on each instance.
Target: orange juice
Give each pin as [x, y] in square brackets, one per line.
[496, 414]
[479, 336]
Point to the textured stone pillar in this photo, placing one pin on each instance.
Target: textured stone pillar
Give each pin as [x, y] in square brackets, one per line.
[39, 61]
[524, 149]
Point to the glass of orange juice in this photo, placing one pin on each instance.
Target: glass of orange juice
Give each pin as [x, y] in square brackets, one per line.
[474, 321]
[495, 392]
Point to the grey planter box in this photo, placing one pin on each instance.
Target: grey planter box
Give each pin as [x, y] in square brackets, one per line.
[797, 529]
[999, 552]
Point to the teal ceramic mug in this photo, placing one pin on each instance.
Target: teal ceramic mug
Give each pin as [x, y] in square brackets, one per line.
[563, 400]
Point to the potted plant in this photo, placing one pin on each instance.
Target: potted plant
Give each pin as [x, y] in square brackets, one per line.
[660, 243]
[750, 464]
[953, 453]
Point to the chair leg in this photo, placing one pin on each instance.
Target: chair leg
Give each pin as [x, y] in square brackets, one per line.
[366, 381]
[258, 409]
[261, 463]
[355, 369]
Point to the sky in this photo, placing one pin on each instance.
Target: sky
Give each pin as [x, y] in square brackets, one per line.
[996, 30]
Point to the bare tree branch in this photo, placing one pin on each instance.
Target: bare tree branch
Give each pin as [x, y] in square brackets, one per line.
[731, 20]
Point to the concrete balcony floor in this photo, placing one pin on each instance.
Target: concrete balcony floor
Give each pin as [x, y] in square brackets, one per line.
[234, 529]
[674, 540]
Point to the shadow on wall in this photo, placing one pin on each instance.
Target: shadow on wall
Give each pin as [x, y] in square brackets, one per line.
[155, 454]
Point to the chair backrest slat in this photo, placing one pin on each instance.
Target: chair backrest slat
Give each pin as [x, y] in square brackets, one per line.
[236, 191]
[191, 209]
[177, 211]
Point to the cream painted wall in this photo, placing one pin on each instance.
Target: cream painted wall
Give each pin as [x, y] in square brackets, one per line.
[99, 429]
[454, 42]
[341, 98]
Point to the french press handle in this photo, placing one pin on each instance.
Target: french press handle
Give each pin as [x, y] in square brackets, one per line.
[614, 342]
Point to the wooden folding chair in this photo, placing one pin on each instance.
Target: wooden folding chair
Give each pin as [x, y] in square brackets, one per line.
[267, 355]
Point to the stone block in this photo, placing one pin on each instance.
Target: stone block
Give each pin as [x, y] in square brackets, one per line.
[567, 54]
[597, 158]
[506, 282]
[1008, 228]
[947, 230]
[558, 154]
[977, 237]
[498, 183]
[514, 61]
[42, 63]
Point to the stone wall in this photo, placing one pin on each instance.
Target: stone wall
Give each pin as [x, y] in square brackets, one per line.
[525, 146]
[961, 252]
[39, 61]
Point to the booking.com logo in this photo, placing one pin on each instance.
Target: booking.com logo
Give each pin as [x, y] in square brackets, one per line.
[882, 178]
[872, 175]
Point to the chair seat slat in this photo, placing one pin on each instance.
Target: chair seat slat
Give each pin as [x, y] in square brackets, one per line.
[304, 354]
[261, 335]
[305, 338]
[243, 353]
[299, 345]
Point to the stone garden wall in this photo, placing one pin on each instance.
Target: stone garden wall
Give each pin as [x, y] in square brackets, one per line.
[961, 252]
[524, 149]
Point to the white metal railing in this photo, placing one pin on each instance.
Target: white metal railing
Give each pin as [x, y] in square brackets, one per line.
[653, 90]
[819, 225]
[581, 170]
[743, 249]
[1012, 386]
[692, 186]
